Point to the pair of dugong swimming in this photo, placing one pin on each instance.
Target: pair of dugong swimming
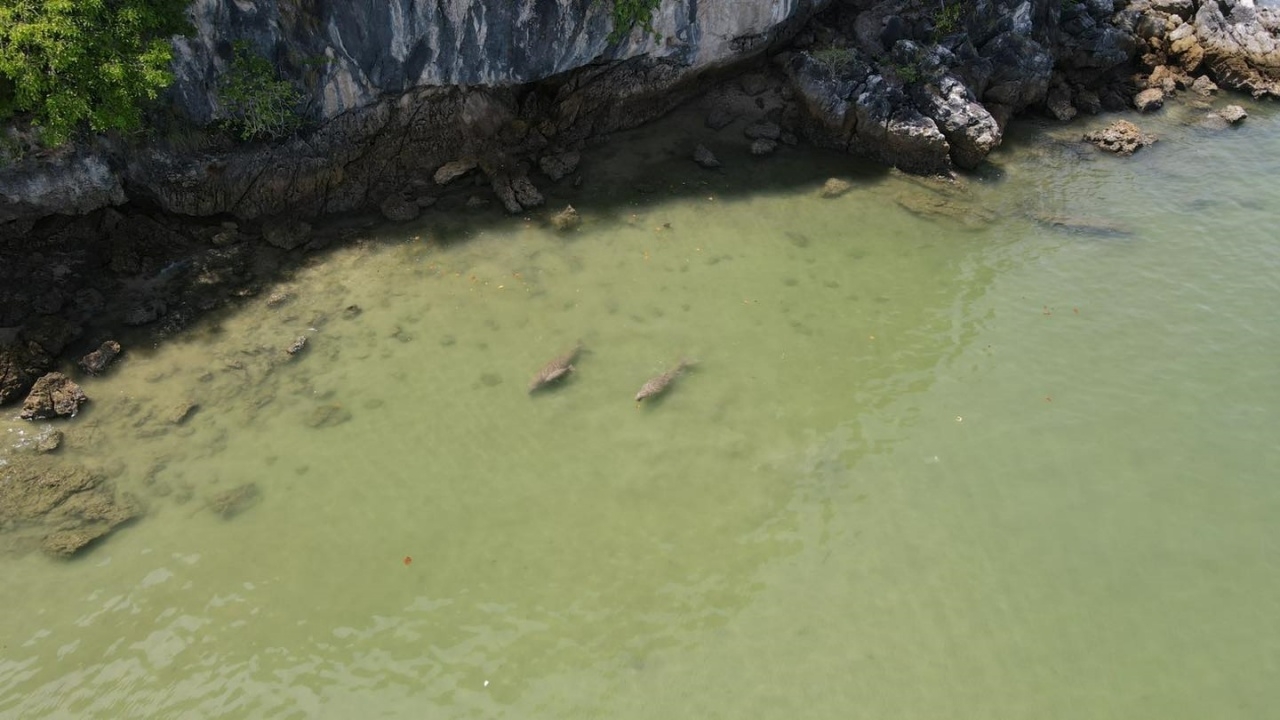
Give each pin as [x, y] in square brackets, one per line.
[563, 365]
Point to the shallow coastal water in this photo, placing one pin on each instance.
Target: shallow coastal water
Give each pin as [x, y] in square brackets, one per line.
[1004, 449]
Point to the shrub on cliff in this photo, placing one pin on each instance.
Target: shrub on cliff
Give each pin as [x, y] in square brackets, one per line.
[259, 104]
[68, 62]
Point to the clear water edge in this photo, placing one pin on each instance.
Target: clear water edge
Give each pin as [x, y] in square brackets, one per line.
[922, 469]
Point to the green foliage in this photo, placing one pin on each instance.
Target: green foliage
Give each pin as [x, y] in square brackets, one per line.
[630, 13]
[70, 61]
[259, 104]
[907, 74]
[948, 19]
[833, 58]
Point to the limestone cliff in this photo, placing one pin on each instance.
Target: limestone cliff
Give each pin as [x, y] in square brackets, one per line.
[395, 88]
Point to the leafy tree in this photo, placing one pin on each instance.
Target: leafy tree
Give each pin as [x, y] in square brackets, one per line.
[70, 61]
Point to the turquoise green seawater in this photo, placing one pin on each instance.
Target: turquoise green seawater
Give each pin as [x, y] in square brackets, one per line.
[1004, 449]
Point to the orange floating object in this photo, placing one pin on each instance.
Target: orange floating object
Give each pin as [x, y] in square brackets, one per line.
[408, 560]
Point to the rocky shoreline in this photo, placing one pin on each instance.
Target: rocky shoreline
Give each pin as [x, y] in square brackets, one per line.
[114, 244]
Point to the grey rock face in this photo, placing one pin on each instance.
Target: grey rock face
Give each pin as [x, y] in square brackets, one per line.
[346, 55]
[1241, 41]
[64, 185]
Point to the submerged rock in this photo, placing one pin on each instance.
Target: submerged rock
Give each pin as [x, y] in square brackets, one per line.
[942, 199]
[231, 503]
[181, 411]
[703, 156]
[763, 130]
[566, 219]
[84, 518]
[49, 442]
[1120, 137]
[1084, 225]
[1233, 114]
[763, 146]
[720, 117]
[54, 395]
[299, 343]
[835, 187]
[559, 166]
[327, 415]
[60, 507]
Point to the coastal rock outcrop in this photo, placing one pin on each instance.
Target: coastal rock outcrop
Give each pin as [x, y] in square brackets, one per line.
[1241, 43]
[53, 395]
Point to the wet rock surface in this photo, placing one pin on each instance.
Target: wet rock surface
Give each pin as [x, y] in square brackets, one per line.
[96, 362]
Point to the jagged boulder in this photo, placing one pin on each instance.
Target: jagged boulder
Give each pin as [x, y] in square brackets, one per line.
[1021, 68]
[970, 129]
[54, 395]
[853, 107]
